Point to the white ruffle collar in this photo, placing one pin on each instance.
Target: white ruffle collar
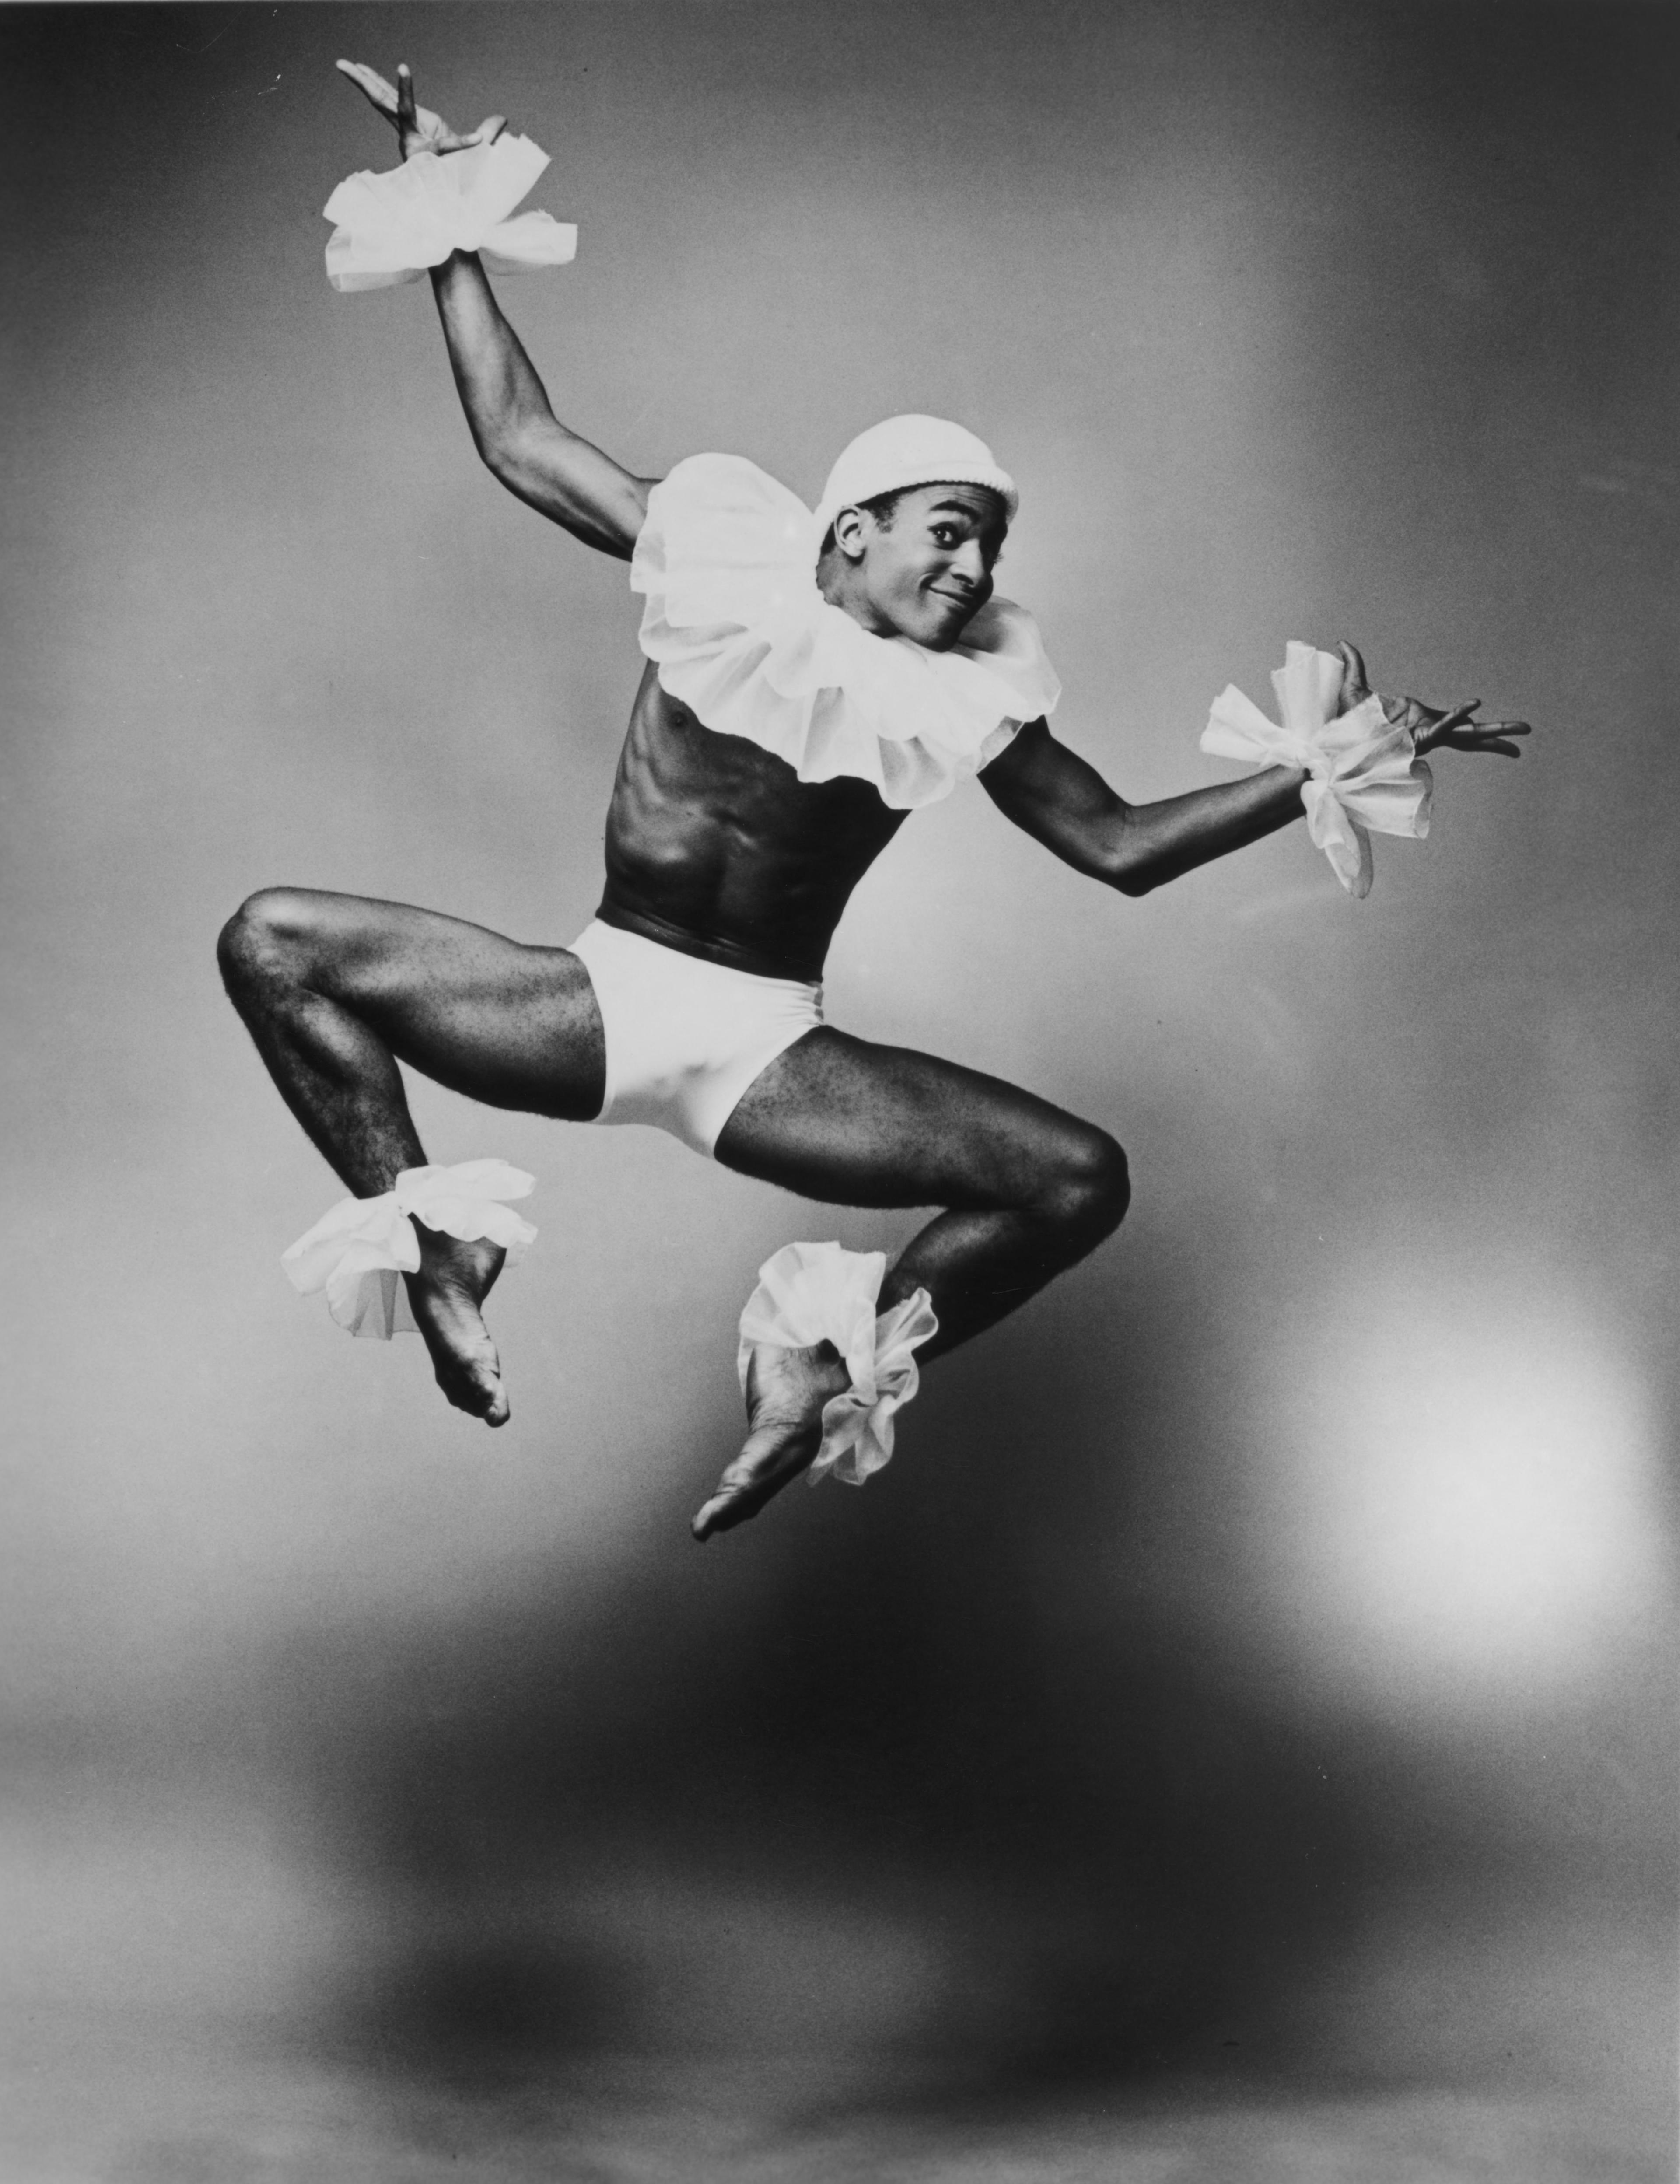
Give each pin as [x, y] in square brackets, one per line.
[727, 561]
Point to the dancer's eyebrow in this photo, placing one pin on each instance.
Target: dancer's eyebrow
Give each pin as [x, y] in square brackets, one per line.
[984, 524]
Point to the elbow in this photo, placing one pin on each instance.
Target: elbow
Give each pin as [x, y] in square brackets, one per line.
[1130, 874]
[503, 440]
[496, 451]
[1125, 858]
[508, 457]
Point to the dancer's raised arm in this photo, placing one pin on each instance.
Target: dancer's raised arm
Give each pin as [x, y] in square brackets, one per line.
[1062, 801]
[558, 473]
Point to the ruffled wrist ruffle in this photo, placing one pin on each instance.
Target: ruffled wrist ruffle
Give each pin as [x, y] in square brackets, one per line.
[727, 561]
[812, 1293]
[1366, 774]
[392, 226]
[359, 1250]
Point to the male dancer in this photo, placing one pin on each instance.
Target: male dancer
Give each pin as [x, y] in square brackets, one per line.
[765, 769]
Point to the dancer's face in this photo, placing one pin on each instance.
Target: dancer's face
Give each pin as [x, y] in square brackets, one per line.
[926, 572]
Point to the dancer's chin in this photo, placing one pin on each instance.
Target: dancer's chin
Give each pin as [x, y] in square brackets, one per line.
[939, 630]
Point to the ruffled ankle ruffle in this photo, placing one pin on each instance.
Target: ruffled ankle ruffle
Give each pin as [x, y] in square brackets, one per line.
[358, 1251]
[812, 1293]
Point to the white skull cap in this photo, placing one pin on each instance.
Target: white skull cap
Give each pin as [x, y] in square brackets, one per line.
[906, 451]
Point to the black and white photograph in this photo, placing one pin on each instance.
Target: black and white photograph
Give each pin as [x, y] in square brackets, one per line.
[915, 747]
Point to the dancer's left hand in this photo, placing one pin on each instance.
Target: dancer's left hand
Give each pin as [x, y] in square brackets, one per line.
[418, 128]
[1457, 729]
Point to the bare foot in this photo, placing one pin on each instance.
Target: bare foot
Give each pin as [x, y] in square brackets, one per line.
[786, 1391]
[453, 1280]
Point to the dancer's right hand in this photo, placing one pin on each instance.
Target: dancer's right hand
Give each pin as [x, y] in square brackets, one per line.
[418, 128]
[1431, 727]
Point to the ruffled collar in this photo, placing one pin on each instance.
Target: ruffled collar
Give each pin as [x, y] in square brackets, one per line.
[741, 634]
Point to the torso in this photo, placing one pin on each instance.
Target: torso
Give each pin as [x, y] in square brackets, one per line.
[717, 847]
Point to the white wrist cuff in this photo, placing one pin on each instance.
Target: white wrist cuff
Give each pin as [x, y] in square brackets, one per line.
[392, 226]
[1366, 775]
[359, 1250]
[812, 1293]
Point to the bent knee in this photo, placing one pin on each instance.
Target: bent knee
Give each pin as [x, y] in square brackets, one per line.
[267, 936]
[1089, 1185]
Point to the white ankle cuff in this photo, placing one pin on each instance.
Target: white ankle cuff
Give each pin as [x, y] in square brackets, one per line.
[357, 1250]
[812, 1293]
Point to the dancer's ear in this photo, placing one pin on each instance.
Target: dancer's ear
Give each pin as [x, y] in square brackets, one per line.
[851, 532]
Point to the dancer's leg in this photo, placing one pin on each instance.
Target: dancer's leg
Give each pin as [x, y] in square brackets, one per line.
[1027, 1190]
[336, 990]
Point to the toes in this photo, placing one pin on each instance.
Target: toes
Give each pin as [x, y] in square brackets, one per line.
[765, 1465]
[475, 1388]
[464, 1358]
[785, 1393]
[728, 1507]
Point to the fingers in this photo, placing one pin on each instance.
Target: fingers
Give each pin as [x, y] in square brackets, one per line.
[1430, 728]
[1464, 734]
[1493, 736]
[418, 128]
[1356, 685]
[372, 86]
[1459, 728]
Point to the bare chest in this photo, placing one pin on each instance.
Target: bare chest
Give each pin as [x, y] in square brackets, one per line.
[678, 771]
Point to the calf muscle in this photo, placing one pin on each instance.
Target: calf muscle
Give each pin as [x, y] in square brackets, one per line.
[336, 991]
[1027, 1189]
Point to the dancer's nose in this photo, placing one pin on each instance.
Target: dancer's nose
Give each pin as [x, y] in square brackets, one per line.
[968, 563]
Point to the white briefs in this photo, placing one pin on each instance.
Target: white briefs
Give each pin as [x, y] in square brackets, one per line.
[684, 1037]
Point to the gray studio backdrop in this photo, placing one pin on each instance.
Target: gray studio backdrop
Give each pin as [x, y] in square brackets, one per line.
[1255, 1665]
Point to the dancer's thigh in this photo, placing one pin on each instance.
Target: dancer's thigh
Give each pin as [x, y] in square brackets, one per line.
[510, 1025]
[838, 1119]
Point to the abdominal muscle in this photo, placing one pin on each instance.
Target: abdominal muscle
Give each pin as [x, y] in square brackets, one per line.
[717, 847]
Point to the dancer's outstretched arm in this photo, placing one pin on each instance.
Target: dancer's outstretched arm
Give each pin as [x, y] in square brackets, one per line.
[1061, 801]
[520, 439]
